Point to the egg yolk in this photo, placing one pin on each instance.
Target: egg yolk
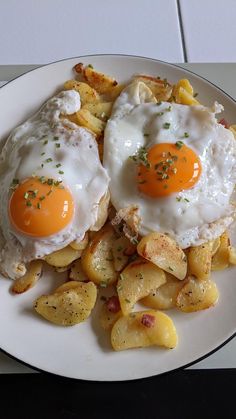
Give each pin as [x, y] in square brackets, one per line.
[40, 207]
[167, 168]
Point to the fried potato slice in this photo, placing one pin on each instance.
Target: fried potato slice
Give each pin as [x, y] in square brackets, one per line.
[101, 110]
[30, 278]
[197, 295]
[76, 271]
[142, 329]
[160, 88]
[66, 286]
[199, 260]
[165, 253]
[86, 92]
[220, 260]
[183, 97]
[185, 84]
[63, 257]
[108, 316]
[85, 119]
[232, 255]
[97, 259]
[113, 92]
[137, 280]
[102, 212]
[68, 307]
[122, 249]
[99, 81]
[215, 246]
[81, 244]
[164, 297]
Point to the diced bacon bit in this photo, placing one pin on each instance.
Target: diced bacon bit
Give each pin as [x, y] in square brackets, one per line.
[224, 123]
[148, 320]
[130, 250]
[113, 304]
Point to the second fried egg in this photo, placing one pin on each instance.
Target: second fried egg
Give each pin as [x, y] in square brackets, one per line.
[176, 163]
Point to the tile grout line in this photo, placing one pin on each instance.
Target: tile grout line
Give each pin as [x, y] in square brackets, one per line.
[181, 30]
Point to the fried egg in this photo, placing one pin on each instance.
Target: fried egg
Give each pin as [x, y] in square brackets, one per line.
[51, 183]
[175, 162]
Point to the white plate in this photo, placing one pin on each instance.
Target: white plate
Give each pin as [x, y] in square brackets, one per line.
[83, 351]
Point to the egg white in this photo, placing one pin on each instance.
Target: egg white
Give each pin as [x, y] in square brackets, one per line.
[191, 216]
[81, 172]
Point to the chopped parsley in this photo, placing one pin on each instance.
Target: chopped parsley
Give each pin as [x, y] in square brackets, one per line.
[58, 165]
[179, 144]
[58, 145]
[141, 157]
[166, 125]
[186, 135]
[61, 172]
[49, 160]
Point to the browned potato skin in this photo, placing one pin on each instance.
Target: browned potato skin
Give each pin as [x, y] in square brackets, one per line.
[128, 332]
[197, 295]
[68, 307]
[67, 286]
[99, 81]
[97, 259]
[63, 257]
[165, 253]
[199, 260]
[31, 277]
[164, 298]
[137, 280]
[220, 260]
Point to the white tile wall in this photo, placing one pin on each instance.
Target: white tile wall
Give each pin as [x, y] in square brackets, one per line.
[41, 31]
[209, 30]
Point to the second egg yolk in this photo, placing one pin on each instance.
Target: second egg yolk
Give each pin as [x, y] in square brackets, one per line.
[40, 207]
[169, 168]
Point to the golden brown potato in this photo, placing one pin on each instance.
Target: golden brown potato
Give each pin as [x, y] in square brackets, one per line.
[199, 260]
[85, 119]
[113, 92]
[137, 280]
[160, 88]
[220, 260]
[97, 259]
[102, 212]
[215, 246]
[68, 307]
[144, 328]
[66, 286]
[165, 296]
[197, 295]
[30, 278]
[101, 110]
[122, 249]
[76, 271]
[63, 257]
[87, 93]
[165, 253]
[81, 244]
[232, 255]
[185, 84]
[110, 313]
[99, 81]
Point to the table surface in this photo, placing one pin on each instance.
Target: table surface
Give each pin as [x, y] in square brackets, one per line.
[222, 75]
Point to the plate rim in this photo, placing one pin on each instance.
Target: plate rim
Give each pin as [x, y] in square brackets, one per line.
[57, 374]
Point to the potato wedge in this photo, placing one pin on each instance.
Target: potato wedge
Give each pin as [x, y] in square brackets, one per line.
[215, 246]
[69, 307]
[113, 92]
[66, 286]
[130, 331]
[232, 255]
[199, 260]
[101, 110]
[87, 93]
[76, 271]
[164, 297]
[85, 119]
[165, 253]
[185, 84]
[183, 97]
[138, 280]
[160, 88]
[30, 278]
[81, 244]
[63, 257]
[62, 268]
[102, 212]
[99, 81]
[97, 259]
[197, 295]
[122, 249]
[108, 317]
[220, 260]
